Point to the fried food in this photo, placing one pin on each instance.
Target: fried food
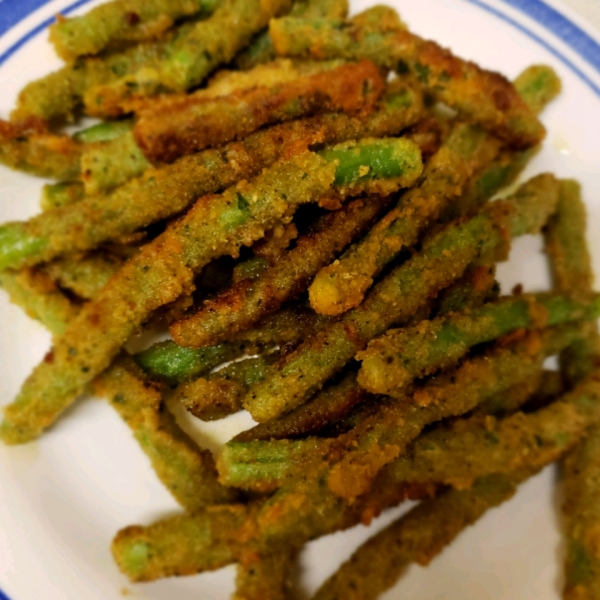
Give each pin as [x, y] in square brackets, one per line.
[227, 206]
[465, 172]
[185, 124]
[239, 307]
[379, 437]
[417, 537]
[570, 265]
[164, 269]
[29, 146]
[121, 22]
[393, 361]
[444, 257]
[164, 192]
[485, 97]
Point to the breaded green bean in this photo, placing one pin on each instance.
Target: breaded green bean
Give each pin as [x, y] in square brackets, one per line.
[191, 57]
[517, 397]
[417, 537]
[465, 172]
[261, 50]
[538, 85]
[184, 544]
[565, 242]
[572, 273]
[55, 195]
[84, 275]
[329, 406]
[502, 172]
[378, 438]
[265, 577]
[29, 147]
[447, 455]
[571, 270]
[570, 265]
[163, 192]
[185, 124]
[485, 97]
[40, 298]
[238, 308]
[288, 327]
[551, 387]
[185, 470]
[164, 269]
[119, 22]
[220, 535]
[105, 131]
[106, 165]
[343, 284]
[444, 257]
[220, 394]
[581, 492]
[59, 96]
[173, 363]
[476, 287]
[402, 355]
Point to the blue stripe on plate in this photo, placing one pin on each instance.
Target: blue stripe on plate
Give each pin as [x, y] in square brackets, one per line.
[540, 41]
[587, 47]
[12, 12]
[20, 43]
[3, 596]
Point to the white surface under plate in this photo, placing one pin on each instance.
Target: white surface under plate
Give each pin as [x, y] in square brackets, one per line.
[63, 498]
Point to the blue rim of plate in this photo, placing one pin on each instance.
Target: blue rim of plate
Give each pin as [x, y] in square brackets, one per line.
[571, 34]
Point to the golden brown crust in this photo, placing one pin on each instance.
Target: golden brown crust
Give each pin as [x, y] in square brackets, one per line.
[185, 124]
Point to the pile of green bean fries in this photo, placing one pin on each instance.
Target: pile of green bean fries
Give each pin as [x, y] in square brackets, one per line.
[309, 204]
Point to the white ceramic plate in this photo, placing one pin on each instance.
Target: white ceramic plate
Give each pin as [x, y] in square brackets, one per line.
[63, 498]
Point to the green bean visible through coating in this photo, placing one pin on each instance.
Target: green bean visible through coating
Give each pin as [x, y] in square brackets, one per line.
[261, 50]
[378, 438]
[464, 173]
[106, 165]
[121, 21]
[191, 57]
[444, 257]
[487, 98]
[164, 269]
[55, 195]
[40, 298]
[84, 275]
[165, 192]
[239, 307]
[396, 359]
[571, 270]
